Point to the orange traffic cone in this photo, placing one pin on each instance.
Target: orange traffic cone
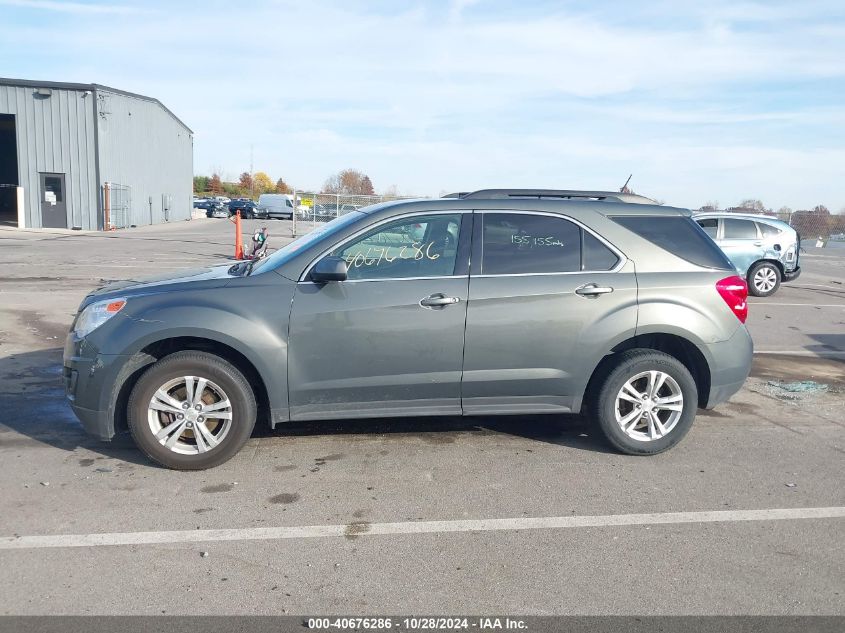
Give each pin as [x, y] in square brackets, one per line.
[239, 242]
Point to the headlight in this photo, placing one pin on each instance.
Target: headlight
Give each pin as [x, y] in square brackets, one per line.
[96, 314]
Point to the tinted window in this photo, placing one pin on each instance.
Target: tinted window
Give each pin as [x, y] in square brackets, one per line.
[596, 255]
[519, 243]
[422, 246]
[710, 226]
[767, 230]
[680, 236]
[739, 229]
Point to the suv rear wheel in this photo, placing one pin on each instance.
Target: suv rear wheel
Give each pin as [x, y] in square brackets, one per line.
[191, 411]
[763, 279]
[646, 402]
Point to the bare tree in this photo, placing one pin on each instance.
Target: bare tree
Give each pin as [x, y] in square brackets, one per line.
[753, 204]
[349, 182]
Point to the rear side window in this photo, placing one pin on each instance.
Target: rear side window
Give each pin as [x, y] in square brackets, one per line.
[739, 229]
[520, 243]
[767, 230]
[515, 243]
[596, 256]
[679, 235]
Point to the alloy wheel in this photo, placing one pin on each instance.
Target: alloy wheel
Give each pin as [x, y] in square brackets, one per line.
[190, 415]
[765, 279]
[649, 405]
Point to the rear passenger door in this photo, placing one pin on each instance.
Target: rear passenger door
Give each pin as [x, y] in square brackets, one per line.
[741, 242]
[546, 297]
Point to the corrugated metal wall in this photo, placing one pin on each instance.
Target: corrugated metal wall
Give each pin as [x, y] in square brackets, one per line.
[144, 147]
[55, 134]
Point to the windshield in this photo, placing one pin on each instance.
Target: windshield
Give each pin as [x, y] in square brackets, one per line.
[326, 230]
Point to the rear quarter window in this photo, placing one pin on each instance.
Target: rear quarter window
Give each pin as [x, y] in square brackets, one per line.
[767, 230]
[679, 235]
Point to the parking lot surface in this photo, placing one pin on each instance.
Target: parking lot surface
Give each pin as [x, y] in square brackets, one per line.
[522, 515]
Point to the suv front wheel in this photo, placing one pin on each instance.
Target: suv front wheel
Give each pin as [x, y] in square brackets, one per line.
[763, 279]
[191, 411]
[646, 402]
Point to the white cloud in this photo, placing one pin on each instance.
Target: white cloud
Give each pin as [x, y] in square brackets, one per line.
[696, 102]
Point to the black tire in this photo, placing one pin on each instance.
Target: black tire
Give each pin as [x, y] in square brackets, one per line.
[217, 371]
[622, 368]
[768, 272]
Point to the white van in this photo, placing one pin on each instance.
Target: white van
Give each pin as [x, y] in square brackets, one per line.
[278, 205]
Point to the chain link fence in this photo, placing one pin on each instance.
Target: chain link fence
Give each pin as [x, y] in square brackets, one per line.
[117, 202]
[817, 228]
[313, 209]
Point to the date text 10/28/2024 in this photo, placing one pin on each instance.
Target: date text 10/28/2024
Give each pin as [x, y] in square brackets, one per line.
[419, 623]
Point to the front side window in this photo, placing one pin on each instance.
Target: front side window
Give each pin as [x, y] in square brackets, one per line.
[420, 246]
[739, 229]
[516, 243]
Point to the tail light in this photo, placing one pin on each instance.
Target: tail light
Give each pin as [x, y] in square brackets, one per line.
[734, 290]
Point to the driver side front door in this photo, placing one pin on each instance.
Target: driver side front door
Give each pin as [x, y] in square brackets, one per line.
[389, 340]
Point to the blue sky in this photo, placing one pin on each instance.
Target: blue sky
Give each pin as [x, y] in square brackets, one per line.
[701, 101]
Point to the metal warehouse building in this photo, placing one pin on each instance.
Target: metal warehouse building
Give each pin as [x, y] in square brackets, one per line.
[90, 157]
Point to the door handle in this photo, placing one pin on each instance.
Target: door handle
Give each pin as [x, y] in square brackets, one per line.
[593, 290]
[758, 243]
[438, 300]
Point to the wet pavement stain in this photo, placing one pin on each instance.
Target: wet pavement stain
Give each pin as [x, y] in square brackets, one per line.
[355, 529]
[202, 510]
[285, 497]
[742, 408]
[359, 514]
[321, 461]
[86, 462]
[282, 469]
[218, 488]
[712, 413]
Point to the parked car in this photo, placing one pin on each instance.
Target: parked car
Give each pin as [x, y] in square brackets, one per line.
[249, 209]
[277, 205]
[215, 209]
[514, 302]
[764, 250]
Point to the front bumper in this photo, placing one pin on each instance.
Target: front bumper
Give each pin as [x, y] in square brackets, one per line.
[92, 383]
[790, 275]
[730, 364]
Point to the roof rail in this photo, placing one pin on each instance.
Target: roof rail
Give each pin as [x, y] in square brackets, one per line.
[564, 194]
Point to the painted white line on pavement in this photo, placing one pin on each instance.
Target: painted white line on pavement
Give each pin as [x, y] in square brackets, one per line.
[413, 527]
[786, 352]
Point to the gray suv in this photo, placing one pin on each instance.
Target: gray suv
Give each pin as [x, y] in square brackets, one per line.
[491, 302]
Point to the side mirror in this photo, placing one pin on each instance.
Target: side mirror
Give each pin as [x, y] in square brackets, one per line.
[329, 269]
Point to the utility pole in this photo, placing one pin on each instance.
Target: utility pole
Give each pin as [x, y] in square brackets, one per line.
[251, 174]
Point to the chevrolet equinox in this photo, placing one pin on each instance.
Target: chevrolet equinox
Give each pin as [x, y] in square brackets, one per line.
[483, 303]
